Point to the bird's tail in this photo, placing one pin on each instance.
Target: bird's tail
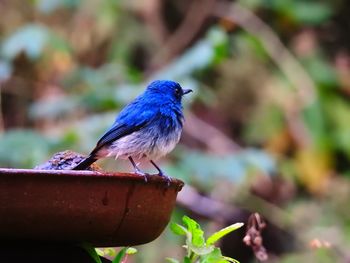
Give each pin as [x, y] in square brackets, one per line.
[83, 165]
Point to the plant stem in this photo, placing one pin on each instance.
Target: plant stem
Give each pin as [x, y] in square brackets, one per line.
[193, 257]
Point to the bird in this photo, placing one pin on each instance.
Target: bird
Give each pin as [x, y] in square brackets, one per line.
[148, 127]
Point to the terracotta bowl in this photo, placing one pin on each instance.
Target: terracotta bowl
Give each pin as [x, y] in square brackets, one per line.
[104, 209]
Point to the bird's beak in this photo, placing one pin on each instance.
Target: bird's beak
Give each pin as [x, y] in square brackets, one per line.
[185, 91]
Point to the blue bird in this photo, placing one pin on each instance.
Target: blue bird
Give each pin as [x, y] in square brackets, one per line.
[150, 126]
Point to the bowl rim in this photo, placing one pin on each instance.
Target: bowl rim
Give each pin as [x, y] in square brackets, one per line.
[109, 175]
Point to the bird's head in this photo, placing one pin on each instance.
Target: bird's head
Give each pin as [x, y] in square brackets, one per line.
[168, 89]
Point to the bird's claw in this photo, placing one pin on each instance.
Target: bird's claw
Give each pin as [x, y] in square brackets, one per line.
[167, 178]
[161, 174]
[140, 173]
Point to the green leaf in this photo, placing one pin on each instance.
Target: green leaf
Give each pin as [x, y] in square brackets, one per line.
[178, 229]
[100, 252]
[338, 111]
[109, 251]
[196, 231]
[301, 11]
[131, 251]
[197, 247]
[172, 260]
[309, 12]
[214, 257]
[202, 250]
[119, 257]
[316, 122]
[219, 38]
[91, 251]
[223, 232]
[321, 70]
[230, 259]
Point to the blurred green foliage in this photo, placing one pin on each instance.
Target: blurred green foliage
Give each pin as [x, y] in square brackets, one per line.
[276, 131]
[198, 248]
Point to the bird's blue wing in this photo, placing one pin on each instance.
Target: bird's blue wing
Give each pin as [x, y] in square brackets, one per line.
[114, 133]
[132, 118]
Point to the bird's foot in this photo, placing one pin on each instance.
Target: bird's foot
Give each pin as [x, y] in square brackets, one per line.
[167, 178]
[161, 173]
[145, 175]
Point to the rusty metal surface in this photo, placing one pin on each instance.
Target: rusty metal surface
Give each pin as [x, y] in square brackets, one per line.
[104, 209]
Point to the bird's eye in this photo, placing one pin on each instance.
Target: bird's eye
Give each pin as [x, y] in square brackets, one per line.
[178, 91]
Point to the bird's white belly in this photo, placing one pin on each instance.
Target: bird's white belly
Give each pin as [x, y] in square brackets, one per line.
[141, 144]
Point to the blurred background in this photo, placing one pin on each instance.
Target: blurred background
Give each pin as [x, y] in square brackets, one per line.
[267, 128]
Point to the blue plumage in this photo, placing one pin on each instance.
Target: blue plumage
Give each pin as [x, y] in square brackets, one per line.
[150, 126]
